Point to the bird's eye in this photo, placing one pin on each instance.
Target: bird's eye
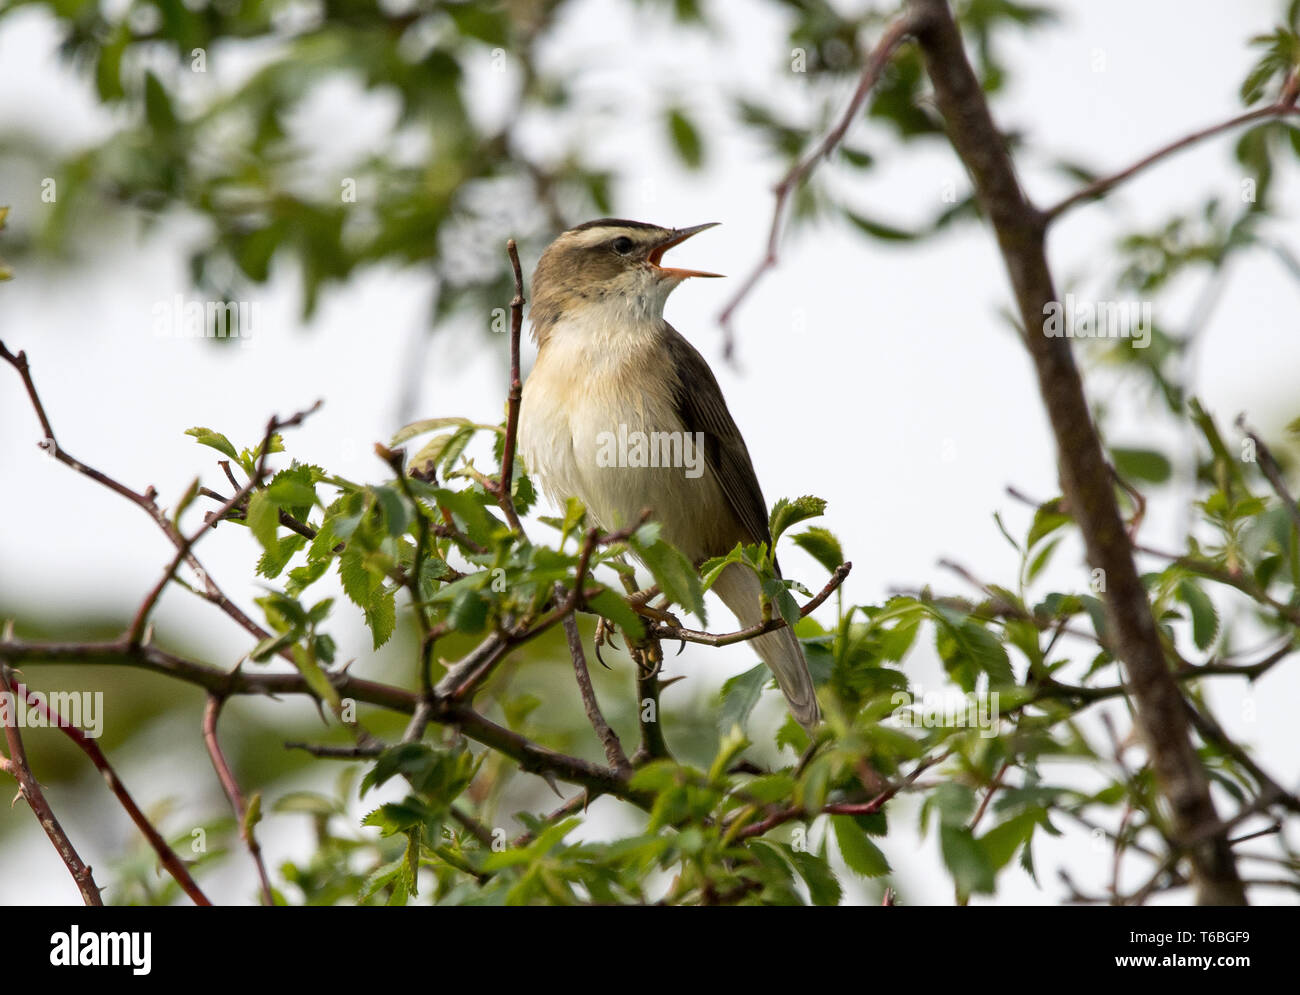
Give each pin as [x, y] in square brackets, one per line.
[622, 245]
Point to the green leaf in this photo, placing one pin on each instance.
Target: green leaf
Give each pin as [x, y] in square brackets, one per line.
[278, 554]
[739, 696]
[1041, 559]
[469, 612]
[358, 580]
[1205, 618]
[292, 488]
[397, 514]
[966, 860]
[158, 107]
[960, 639]
[786, 513]
[611, 606]
[1001, 842]
[861, 855]
[1047, 519]
[263, 519]
[823, 888]
[427, 425]
[673, 573]
[271, 645]
[381, 617]
[1141, 464]
[316, 679]
[783, 600]
[955, 803]
[822, 545]
[880, 230]
[216, 440]
[685, 138]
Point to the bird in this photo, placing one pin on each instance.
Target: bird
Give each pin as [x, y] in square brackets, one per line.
[609, 367]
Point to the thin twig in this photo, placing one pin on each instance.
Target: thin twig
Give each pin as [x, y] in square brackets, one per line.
[792, 812]
[137, 626]
[608, 738]
[211, 712]
[166, 855]
[1268, 464]
[515, 396]
[1100, 187]
[879, 58]
[17, 766]
[759, 628]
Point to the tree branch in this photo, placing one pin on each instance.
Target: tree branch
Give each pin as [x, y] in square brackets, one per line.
[1099, 188]
[1085, 475]
[742, 635]
[211, 712]
[166, 855]
[16, 765]
[515, 397]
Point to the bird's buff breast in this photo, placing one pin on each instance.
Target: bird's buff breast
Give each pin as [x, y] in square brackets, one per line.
[600, 425]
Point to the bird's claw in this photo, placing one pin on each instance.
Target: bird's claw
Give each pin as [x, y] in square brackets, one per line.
[604, 634]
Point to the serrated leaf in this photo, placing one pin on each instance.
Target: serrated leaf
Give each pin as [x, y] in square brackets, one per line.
[263, 519]
[859, 853]
[823, 888]
[216, 440]
[822, 545]
[1001, 842]
[969, 865]
[739, 696]
[292, 488]
[381, 617]
[786, 513]
[276, 557]
[427, 425]
[358, 581]
[674, 574]
[397, 513]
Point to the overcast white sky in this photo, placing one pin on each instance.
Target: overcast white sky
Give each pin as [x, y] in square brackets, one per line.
[877, 376]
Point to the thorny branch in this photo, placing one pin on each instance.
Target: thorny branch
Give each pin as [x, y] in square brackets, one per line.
[15, 764]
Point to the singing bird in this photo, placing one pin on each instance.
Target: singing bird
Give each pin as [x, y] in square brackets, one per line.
[609, 367]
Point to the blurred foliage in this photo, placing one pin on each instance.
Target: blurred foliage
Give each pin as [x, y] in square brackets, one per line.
[440, 188]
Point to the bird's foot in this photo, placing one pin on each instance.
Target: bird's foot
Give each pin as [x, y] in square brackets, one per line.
[604, 634]
[649, 658]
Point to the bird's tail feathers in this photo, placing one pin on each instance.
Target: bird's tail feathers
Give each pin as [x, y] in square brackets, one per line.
[739, 590]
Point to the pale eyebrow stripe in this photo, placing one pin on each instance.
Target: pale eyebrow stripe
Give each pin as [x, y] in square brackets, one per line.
[597, 236]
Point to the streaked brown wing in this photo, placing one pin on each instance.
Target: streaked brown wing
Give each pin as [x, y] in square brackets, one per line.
[701, 407]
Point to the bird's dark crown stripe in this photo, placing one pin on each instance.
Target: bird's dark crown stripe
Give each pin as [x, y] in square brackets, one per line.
[612, 223]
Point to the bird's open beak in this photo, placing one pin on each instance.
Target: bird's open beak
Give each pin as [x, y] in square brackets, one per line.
[678, 236]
